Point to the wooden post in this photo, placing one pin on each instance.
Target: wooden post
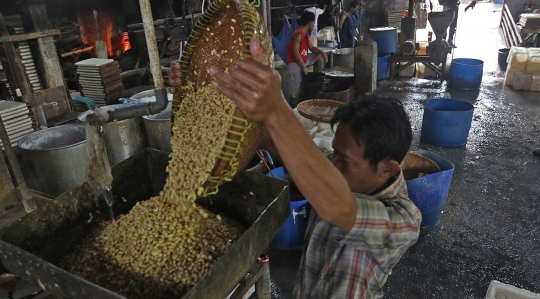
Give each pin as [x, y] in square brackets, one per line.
[365, 67]
[47, 49]
[12, 63]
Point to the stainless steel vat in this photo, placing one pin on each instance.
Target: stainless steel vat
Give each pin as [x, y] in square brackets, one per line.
[158, 130]
[54, 159]
[343, 58]
[122, 138]
[31, 247]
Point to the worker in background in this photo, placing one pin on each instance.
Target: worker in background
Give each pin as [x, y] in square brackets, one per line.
[297, 56]
[313, 38]
[471, 5]
[348, 26]
[452, 5]
[362, 221]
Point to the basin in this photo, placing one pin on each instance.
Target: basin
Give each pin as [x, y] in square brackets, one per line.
[54, 159]
[33, 246]
[157, 128]
[122, 138]
[343, 58]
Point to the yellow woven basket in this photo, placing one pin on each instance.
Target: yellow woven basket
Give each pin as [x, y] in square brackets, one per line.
[320, 110]
[220, 38]
[415, 165]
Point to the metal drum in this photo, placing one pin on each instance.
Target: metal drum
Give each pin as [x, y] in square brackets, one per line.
[122, 138]
[54, 159]
[343, 58]
[158, 130]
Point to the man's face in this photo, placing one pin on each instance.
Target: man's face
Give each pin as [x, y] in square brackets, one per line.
[311, 25]
[349, 159]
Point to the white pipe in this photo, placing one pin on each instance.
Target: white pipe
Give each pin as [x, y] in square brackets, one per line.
[264, 12]
[151, 44]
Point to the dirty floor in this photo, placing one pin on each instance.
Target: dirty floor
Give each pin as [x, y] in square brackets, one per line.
[490, 225]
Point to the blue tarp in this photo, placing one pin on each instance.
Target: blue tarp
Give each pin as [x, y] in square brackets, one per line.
[281, 42]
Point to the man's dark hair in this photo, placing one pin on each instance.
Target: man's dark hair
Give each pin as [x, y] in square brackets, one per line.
[354, 4]
[378, 123]
[306, 17]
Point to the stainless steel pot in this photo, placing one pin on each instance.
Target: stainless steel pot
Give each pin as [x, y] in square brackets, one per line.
[158, 130]
[54, 159]
[123, 139]
[343, 58]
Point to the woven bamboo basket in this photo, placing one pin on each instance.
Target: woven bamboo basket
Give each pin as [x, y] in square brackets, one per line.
[415, 165]
[226, 29]
[320, 110]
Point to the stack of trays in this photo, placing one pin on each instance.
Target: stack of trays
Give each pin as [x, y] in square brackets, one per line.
[28, 62]
[100, 80]
[16, 118]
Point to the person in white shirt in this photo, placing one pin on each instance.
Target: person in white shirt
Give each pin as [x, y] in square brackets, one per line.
[317, 12]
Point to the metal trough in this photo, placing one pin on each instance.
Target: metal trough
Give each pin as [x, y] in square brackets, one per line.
[31, 247]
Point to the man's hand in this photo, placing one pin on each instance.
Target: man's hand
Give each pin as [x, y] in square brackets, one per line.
[305, 70]
[8, 282]
[324, 57]
[175, 76]
[253, 86]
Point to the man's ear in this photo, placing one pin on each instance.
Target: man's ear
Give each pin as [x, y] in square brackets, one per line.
[388, 168]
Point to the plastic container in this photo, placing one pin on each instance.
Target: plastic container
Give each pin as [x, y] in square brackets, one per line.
[518, 61]
[498, 1]
[54, 158]
[503, 56]
[291, 234]
[408, 71]
[465, 73]
[499, 290]
[522, 81]
[430, 191]
[533, 64]
[535, 84]
[383, 67]
[446, 122]
[386, 39]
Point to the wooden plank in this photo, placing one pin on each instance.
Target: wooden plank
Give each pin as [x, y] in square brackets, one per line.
[14, 64]
[28, 36]
[46, 98]
[48, 55]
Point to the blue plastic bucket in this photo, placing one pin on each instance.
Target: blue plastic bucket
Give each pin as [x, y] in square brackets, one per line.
[465, 73]
[446, 122]
[383, 67]
[498, 1]
[291, 234]
[386, 39]
[429, 192]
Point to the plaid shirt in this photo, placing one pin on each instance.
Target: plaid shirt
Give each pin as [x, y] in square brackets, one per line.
[342, 265]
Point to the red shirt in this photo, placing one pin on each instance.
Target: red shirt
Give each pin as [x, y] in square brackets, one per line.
[304, 46]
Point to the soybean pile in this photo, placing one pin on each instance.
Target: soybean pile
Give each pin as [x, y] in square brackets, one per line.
[164, 245]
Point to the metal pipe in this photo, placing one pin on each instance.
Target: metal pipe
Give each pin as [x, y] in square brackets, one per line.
[155, 67]
[150, 34]
[264, 12]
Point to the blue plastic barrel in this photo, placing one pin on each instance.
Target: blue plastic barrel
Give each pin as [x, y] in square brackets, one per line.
[386, 39]
[383, 67]
[498, 1]
[429, 192]
[446, 122]
[465, 73]
[291, 234]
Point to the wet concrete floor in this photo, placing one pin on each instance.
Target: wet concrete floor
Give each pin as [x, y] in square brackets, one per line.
[490, 225]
